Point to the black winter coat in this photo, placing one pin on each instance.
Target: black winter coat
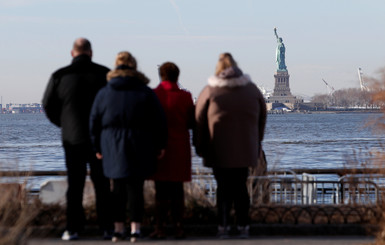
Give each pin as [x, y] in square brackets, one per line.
[69, 96]
[128, 126]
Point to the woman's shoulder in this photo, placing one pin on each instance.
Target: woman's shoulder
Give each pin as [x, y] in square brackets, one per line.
[102, 92]
[185, 93]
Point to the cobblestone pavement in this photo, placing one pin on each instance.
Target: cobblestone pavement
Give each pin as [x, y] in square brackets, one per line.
[295, 240]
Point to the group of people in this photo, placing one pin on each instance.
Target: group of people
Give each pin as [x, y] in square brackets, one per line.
[128, 133]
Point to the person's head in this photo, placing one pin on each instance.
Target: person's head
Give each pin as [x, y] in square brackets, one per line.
[125, 59]
[225, 61]
[169, 72]
[81, 46]
[126, 66]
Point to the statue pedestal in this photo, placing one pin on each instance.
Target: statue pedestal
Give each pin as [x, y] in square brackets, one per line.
[282, 95]
[282, 87]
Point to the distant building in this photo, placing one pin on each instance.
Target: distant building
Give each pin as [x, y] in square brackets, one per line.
[23, 108]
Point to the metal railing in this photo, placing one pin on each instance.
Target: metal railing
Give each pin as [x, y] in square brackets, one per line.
[285, 187]
[292, 190]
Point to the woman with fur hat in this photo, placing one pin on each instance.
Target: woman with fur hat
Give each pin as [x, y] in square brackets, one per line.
[129, 131]
[230, 122]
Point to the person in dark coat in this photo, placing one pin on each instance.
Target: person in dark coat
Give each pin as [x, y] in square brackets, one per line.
[129, 131]
[67, 103]
[230, 123]
[175, 167]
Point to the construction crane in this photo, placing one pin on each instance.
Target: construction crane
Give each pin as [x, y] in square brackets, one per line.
[329, 88]
[362, 82]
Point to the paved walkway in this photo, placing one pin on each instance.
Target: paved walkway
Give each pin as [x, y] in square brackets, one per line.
[275, 240]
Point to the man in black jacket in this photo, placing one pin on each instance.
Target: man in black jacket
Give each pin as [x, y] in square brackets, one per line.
[67, 102]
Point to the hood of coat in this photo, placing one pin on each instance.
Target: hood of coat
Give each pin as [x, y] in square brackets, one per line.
[167, 85]
[216, 81]
[126, 78]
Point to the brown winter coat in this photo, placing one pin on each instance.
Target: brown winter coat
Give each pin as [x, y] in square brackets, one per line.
[230, 116]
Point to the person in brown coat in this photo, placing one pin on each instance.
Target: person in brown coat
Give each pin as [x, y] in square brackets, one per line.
[230, 122]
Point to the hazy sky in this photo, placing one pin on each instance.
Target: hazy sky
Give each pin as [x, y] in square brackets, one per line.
[326, 39]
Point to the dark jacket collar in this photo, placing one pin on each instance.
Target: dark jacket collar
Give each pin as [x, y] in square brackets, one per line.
[83, 58]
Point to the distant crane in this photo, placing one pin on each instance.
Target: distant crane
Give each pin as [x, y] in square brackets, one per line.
[329, 88]
[362, 82]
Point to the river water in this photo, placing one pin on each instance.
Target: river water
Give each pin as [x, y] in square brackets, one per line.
[31, 142]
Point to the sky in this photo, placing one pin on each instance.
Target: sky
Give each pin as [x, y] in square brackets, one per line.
[328, 39]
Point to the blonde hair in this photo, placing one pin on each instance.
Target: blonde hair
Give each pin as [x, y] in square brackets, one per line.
[126, 59]
[225, 61]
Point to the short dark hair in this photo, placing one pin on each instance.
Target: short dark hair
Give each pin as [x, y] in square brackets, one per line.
[168, 71]
[82, 45]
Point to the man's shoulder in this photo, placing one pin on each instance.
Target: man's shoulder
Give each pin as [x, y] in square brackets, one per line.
[61, 71]
[74, 68]
[100, 67]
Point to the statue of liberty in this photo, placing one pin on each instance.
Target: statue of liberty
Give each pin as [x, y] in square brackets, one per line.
[280, 53]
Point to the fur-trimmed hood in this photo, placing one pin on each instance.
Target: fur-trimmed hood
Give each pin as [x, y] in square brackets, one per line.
[127, 73]
[215, 81]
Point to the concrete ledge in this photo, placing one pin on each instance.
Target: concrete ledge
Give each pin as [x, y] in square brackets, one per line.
[255, 230]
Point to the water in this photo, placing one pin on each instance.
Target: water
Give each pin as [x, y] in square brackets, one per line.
[319, 140]
[31, 142]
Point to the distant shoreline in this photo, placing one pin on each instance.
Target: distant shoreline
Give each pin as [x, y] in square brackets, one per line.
[272, 112]
[344, 111]
[269, 112]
